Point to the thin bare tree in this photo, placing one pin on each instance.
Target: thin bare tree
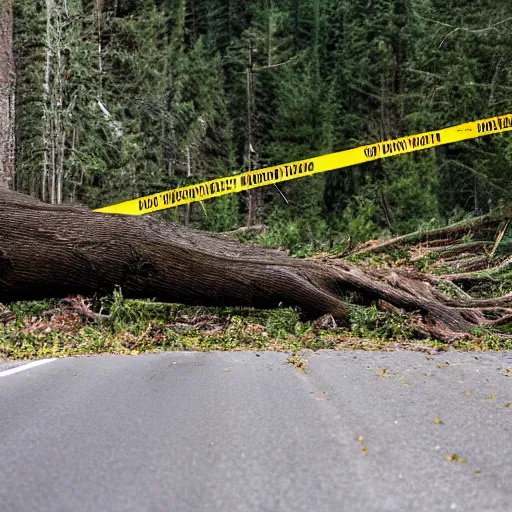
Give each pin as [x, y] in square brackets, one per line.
[54, 135]
[7, 94]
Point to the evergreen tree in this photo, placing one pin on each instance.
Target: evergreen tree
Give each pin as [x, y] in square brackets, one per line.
[117, 99]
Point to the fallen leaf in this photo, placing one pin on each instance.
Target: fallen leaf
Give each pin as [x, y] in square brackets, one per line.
[360, 439]
[508, 404]
[383, 373]
[455, 458]
[467, 393]
[492, 397]
[437, 421]
[364, 449]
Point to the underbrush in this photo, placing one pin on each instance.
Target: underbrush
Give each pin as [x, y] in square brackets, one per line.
[113, 324]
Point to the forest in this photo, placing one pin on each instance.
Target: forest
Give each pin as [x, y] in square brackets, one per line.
[121, 98]
[109, 100]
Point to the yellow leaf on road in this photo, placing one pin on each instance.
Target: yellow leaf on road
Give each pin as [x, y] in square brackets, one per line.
[455, 458]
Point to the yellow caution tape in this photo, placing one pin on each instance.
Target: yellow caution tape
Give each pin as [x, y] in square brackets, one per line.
[302, 168]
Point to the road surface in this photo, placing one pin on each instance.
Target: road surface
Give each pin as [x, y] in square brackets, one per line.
[351, 431]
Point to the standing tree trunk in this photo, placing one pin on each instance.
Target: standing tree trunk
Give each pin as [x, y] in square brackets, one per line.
[250, 149]
[56, 251]
[7, 94]
[47, 132]
[54, 135]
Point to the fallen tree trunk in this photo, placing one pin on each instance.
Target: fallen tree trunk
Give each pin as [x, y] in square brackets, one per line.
[58, 251]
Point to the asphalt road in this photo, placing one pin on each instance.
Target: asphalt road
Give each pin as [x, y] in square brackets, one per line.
[235, 432]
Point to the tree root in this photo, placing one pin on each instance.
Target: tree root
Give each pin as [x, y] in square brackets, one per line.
[487, 223]
[488, 274]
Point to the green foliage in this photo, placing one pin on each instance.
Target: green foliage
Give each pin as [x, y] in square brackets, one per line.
[221, 214]
[368, 322]
[409, 195]
[31, 309]
[486, 339]
[359, 218]
[300, 236]
[133, 315]
[118, 325]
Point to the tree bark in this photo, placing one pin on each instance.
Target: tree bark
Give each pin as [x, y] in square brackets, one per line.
[7, 94]
[57, 251]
